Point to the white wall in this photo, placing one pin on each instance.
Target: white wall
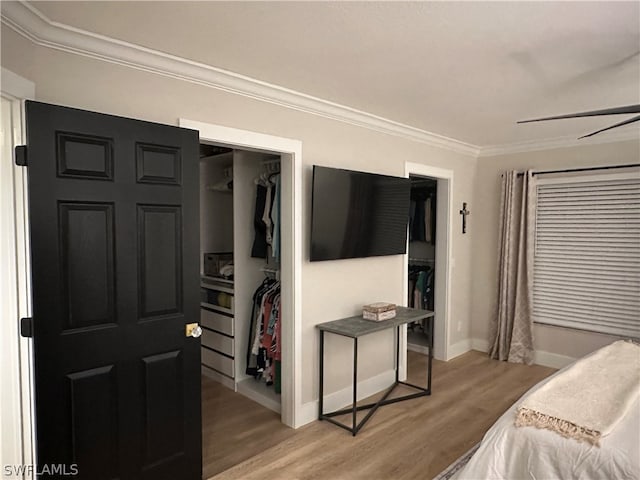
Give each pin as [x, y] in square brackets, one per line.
[551, 340]
[330, 290]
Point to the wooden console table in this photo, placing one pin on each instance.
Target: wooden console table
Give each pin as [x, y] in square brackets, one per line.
[356, 327]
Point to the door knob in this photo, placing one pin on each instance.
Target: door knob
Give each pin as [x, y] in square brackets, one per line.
[193, 330]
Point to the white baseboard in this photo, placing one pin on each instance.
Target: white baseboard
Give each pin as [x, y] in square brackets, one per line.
[553, 360]
[458, 349]
[540, 357]
[342, 398]
[308, 413]
[366, 388]
[479, 345]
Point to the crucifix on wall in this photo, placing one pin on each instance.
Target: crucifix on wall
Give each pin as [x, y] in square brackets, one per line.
[464, 212]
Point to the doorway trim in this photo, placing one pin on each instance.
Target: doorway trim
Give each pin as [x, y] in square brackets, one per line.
[444, 260]
[16, 360]
[291, 265]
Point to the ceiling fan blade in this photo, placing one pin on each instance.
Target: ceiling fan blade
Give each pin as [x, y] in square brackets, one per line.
[626, 122]
[592, 113]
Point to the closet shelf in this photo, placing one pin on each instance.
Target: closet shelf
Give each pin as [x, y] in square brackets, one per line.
[217, 308]
[219, 288]
[217, 187]
[215, 280]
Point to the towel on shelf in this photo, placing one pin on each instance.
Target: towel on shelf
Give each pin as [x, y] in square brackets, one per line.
[588, 399]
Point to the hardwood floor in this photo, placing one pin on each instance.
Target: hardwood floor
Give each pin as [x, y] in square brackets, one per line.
[235, 428]
[413, 439]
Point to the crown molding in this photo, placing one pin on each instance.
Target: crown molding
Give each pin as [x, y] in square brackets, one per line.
[623, 135]
[33, 25]
[36, 27]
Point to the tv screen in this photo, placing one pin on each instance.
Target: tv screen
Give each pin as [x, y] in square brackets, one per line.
[357, 214]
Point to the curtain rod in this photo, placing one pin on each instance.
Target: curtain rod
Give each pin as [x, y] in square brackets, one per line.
[583, 169]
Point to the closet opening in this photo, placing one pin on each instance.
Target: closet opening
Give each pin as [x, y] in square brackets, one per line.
[437, 183]
[421, 284]
[241, 315]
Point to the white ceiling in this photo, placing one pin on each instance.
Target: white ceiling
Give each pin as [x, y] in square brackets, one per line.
[465, 70]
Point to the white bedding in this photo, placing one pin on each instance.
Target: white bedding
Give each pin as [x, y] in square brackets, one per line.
[518, 453]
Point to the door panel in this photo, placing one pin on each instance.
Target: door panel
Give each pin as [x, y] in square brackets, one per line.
[94, 433]
[84, 156]
[114, 238]
[87, 261]
[158, 164]
[165, 413]
[160, 251]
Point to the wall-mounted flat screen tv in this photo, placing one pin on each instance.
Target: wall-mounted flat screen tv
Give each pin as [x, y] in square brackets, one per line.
[358, 214]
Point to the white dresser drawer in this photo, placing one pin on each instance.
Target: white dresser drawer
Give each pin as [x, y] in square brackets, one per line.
[216, 321]
[219, 362]
[218, 342]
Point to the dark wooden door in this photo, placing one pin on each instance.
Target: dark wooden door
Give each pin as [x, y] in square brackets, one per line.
[114, 219]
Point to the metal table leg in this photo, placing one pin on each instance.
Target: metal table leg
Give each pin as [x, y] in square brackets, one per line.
[431, 328]
[355, 386]
[321, 386]
[397, 353]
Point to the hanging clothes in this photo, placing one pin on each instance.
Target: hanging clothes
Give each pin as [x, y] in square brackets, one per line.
[412, 284]
[275, 220]
[254, 326]
[412, 217]
[259, 249]
[427, 220]
[421, 291]
[264, 346]
[418, 222]
[266, 214]
[267, 217]
[433, 210]
[429, 302]
[422, 215]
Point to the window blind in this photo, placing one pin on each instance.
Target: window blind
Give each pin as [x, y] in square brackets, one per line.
[587, 254]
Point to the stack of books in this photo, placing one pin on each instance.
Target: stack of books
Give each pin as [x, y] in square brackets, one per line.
[379, 311]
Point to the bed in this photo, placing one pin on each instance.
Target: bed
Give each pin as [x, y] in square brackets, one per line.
[514, 453]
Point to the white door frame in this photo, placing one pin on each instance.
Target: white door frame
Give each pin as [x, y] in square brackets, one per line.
[291, 261]
[444, 260]
[17, 419]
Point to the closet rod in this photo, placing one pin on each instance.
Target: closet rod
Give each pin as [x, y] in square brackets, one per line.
[271, 271]
[583, 169]
[271, 166]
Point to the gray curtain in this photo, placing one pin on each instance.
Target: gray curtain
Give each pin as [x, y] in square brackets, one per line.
[512, 325]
